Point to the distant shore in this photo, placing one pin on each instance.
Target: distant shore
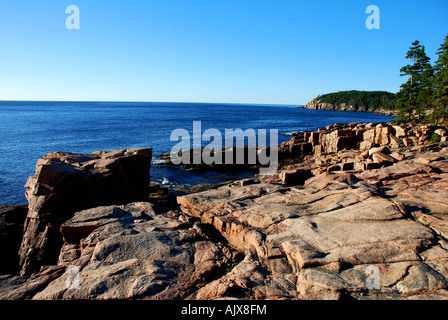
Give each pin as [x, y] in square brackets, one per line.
[345, 107]
[378, 102]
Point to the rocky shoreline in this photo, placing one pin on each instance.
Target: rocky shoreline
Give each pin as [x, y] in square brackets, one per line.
[316, 104]
[348, 199]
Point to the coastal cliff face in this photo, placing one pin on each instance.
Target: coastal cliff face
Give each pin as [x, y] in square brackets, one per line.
[316, 104]
[349, 199]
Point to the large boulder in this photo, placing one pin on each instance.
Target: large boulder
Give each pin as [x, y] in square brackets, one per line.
[338, 140]
[130, 252]
[65, 183]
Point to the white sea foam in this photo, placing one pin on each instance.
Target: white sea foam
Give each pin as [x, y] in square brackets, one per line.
[157, 161]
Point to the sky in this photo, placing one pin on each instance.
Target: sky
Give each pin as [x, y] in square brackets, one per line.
[232, 51]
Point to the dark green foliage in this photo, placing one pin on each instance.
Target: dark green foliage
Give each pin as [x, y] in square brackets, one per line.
[424, 96]
[435, 138]
[371, 100]
[441, 84]
[415, 95]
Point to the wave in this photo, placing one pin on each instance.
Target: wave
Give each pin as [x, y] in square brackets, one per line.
[158, 161]
[291, 133]
[162, 181]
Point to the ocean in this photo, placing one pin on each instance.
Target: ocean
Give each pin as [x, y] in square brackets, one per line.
[31, 129]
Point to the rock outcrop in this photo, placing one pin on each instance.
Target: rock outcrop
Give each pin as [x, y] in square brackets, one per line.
[317, 104]
[65, 183]
[329, 233]
[360, 212]
[129, 252]
[357, 136]
[224, 159]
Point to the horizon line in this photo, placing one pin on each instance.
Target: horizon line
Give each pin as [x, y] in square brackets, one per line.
[139, 101]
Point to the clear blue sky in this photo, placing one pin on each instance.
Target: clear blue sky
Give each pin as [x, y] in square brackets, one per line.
[248, 51]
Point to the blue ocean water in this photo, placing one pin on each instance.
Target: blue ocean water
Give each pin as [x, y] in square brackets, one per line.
[31, 129]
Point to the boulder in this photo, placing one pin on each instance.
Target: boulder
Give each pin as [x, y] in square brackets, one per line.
[300, 148]
[395, 142]
[397, 156]
[338, 140]
[314, 138]
[365, 145]
[383, 150]
[369, 135]
[399, 131]
[382, 134]
[407, 142]
[382, 158]
[129, 252]
[295, 177]
[372, 165]
[65, 183]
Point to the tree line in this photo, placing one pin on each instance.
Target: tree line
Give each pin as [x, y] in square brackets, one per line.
[424, 96]
[371, 100]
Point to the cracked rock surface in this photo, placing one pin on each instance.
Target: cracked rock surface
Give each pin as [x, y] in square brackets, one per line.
[326, 234]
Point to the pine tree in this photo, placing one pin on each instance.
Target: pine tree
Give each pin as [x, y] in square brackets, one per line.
[407, 96]
[441, 83]
[416, 94]
[426, 88]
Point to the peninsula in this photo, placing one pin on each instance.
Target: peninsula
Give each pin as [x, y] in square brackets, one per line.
[380, 102]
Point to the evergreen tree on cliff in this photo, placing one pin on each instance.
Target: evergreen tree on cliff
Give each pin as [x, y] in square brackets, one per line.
[415, 95]
[426, 93]
[441, 83]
